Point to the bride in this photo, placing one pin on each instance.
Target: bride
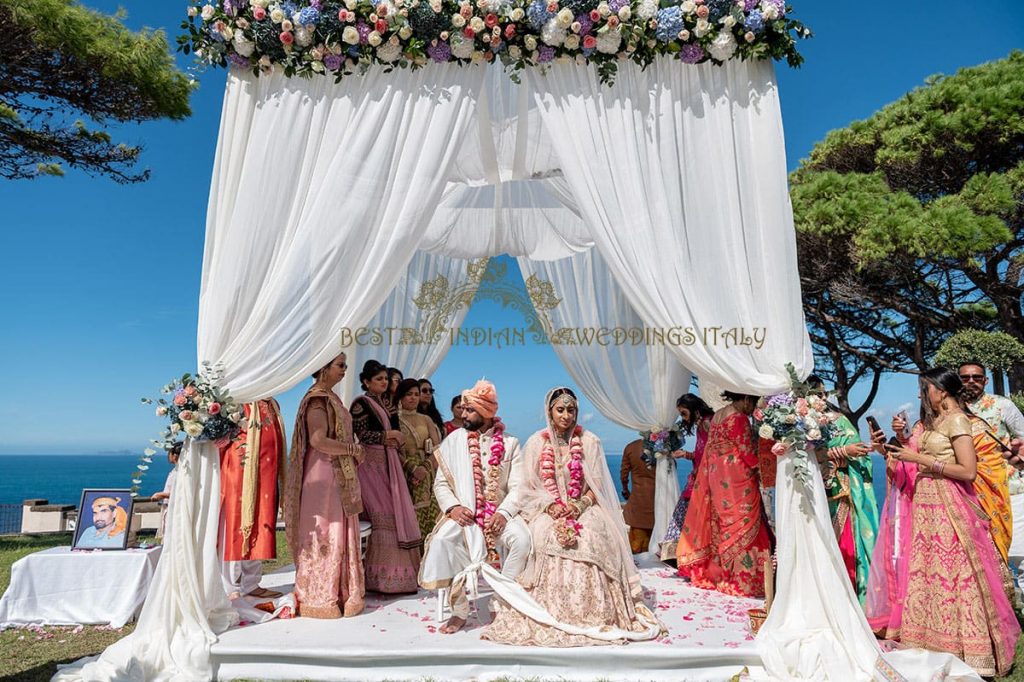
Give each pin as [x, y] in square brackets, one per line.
[581, 571]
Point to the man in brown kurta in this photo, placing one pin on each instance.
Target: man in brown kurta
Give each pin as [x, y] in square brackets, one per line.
[639, 509]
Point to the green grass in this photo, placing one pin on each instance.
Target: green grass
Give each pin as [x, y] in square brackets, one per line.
[32, 655]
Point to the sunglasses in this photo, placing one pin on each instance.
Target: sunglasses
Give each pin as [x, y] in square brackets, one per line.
[428, 391]
[972, 377]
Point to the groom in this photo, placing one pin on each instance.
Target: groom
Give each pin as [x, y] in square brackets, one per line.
[477, 462]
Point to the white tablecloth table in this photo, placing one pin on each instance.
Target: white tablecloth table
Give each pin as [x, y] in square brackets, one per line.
[59, 587]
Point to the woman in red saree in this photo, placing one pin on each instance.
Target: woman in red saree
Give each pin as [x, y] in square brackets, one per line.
[725, 542]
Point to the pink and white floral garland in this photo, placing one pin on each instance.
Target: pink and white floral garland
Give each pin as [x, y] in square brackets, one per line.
[567, 532]
[487, 492]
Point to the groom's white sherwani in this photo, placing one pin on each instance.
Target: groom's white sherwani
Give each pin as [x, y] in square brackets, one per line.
[448, 547]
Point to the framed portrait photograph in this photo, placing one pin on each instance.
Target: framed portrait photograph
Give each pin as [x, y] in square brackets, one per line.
[104, 519]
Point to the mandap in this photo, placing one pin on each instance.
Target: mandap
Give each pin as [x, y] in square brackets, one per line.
[373, 156]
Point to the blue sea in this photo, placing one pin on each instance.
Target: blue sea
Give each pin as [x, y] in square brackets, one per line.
[60, 478]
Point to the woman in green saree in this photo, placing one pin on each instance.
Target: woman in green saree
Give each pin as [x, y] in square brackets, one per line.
[851, 499]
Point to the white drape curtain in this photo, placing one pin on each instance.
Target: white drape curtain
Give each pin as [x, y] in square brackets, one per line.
[317, 205]
[681, 175]
[816, 629]
[634, 385]
[408, 306]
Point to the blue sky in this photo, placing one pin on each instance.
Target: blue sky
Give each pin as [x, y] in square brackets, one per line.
[100, 282]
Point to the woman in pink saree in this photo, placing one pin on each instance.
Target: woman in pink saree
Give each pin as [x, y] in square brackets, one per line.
[936, 579]
[393, 550]
[322, 502]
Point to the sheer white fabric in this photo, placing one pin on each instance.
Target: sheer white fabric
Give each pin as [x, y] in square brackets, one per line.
[816, 629]
[316, 207]
[408, 306]
[681, 177]
[634, 385]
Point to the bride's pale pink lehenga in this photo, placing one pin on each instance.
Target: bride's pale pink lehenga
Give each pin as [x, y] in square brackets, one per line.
[937, 581]
[592, 584]
[322, 505]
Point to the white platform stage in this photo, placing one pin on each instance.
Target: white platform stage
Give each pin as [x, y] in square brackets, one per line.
[396, 639]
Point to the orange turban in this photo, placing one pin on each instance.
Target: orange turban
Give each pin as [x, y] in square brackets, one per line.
[482, 398]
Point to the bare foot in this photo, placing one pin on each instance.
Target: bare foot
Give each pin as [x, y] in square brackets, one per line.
[453, 625]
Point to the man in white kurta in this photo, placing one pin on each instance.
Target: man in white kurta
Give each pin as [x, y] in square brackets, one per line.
[448, 549]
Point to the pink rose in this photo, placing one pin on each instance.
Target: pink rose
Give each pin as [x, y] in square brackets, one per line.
[595, 15]
[179, 400]
[287, 38]
[552, 7]
[510, 31]
[779, 449]
[382, 10]
[259, 14]
[466, 11]
[190, 390]
[214, 408]
[589, 42]
[613, 21]
[758, 414]
[185, 416]
[703, 12]
[381, 26]
[469, 33]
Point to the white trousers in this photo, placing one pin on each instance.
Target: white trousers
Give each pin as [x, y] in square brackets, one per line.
[241, 576]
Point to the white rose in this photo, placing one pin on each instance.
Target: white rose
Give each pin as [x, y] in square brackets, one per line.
[228, 33]
[515, 52]
[208, 12]
[518, 14]
[814, 434]
[478, 57]
[260, 3]
[350, 35]
[552, 34]
[287, 25]
[477, 24]
[728, 21]
[458, 21]
[625, 13]
[530, 42]
[564, 17]
[688, 6]
[405, 32]
[161, 411]
[789, 419]
[317, 53]
[809, 423]
[319, 67]
[192, 11]
[242, 46]
[572, 42]
[648, 9]
[702, 28]
[769, 11]
[609, 41]
[373, 39]
[276, 16]
[766, 432]
[351, 5]
[604, 9]
[175, 428]
[684, 35]
[575, 27]
[194, 429]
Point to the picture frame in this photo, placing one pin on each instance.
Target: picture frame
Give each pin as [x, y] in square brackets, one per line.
[104, 519]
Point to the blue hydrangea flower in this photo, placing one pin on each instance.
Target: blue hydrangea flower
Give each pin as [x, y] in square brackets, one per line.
[289, 9]
[616, 5]
[215, 34]
[719, 8]
[670, 23]
[538, 14]
[309, 15]
[754, 21]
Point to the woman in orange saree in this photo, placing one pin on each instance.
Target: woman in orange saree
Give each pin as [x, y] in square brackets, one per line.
[992, 485]
[725, 541]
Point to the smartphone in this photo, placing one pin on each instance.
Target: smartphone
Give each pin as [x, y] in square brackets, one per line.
[906, 421]
[873, 423]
